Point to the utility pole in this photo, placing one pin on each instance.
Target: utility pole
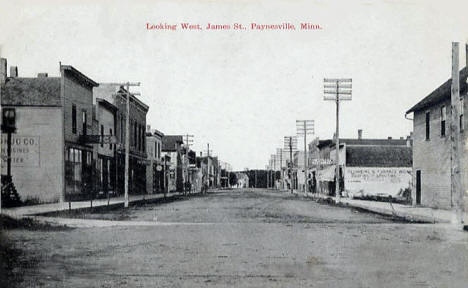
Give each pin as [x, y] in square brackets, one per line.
[273, 157]
[127, 133]
[290, 144]
[280, 152]
[456, 187]
[341, 90]
[305, 127]
[188, 139]
[207, 178]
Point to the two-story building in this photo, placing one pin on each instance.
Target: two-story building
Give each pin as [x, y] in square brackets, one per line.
[155, 169]
[432, 145]
[105, 115]
[117, 96]
[172, 148]
[50, 160]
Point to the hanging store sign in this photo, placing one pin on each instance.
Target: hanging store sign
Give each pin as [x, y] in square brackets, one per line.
[98, 139]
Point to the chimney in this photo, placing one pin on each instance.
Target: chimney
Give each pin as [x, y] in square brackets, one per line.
[42, 75]
[148, 128]
[402, 138]
[389, 138]
[359, 134]
[3, 70]
[201, 154]
[14, 71]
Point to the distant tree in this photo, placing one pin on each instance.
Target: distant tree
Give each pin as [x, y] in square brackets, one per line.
[232, 178]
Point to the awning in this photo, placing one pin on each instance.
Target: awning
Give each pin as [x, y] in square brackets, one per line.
[326, 173]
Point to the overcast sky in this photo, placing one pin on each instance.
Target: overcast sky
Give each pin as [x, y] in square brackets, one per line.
[242, 91]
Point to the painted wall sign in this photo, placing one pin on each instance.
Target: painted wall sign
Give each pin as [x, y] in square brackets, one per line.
[25, 151]
[371, 180]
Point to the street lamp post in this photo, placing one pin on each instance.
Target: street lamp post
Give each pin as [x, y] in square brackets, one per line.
[8, 126]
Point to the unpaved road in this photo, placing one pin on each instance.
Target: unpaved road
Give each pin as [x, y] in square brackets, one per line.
[245, 238]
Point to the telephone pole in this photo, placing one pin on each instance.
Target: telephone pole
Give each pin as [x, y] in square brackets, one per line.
[273, 157]
[279, 151]
[290, 145]
[127, 131]
[188, 140]
[303, 128]
[207, 178]
[456, 186]
[341, 90]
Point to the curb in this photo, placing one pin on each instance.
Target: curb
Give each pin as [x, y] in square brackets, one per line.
[382, 211]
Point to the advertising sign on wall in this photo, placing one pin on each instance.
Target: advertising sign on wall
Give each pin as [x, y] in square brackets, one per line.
[373, 181]
[24, 151]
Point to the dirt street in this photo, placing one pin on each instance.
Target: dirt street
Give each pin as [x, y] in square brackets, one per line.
[245, 238]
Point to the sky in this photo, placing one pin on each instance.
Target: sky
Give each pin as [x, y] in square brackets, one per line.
[242, 91]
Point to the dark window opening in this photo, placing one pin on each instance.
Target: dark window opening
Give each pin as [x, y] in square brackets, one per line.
[85, 122]
[443, 116]
[73, 118]
[110, 144]
[428, 125]
[102, 135]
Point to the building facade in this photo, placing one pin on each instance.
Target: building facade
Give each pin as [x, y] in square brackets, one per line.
[117, 96]
[432, 145]
[105, 116]
[51, 162]
[155, 170]
[172, 148]
[368, 167]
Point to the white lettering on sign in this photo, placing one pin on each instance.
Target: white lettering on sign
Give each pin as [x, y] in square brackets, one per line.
[24, 151]
[374, 180]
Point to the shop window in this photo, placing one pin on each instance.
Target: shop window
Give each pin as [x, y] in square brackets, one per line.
[89, 158]
[85, 121]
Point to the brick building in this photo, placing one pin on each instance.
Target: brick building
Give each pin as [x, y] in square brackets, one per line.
[50, 160]
[432, 146]
[117, 96]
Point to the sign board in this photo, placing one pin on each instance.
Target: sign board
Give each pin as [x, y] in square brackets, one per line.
[24, 151]
[97, 139]
[322, 162]
[144, 161]
[378, 180]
